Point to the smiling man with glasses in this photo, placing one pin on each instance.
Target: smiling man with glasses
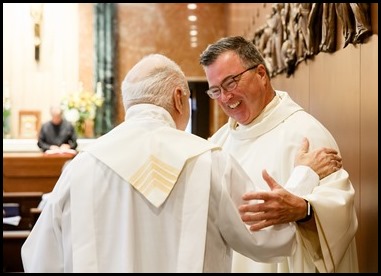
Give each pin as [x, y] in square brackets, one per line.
[264, 131]
[227, 85]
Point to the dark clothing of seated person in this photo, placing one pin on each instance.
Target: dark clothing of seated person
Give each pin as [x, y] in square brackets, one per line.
[57, 133]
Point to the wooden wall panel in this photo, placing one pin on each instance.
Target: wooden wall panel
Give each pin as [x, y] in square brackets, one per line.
[297, 85]
[334, 100]
[368, 227]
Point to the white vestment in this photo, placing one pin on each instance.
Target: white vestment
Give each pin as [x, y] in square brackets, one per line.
[271, 142]
[146, 197]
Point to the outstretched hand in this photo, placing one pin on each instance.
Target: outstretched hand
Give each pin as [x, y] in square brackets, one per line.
[323, 161]
[278, 206]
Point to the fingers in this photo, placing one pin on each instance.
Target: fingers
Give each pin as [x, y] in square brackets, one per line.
[335, 161]
[263, 195]
[336, 157]
[250, 218]
[326, 153]
[336, 164]
[257, 221]
[250, 208]
[305, 146]
[260, 225]
[249, 196]
[269, 180]
[329, 151]
[331, 167]
[328, 158]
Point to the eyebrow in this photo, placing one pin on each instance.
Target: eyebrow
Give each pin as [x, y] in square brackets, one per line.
[217, 86]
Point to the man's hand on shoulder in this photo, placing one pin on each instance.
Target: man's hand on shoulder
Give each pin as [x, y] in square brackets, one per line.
[323, 161]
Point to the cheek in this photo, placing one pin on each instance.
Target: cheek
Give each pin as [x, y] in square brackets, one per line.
[222, 105]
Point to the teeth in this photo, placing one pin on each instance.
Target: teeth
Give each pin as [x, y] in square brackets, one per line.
[232, 106]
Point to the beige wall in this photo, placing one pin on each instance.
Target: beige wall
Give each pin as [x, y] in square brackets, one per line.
[36, 85]
[67, 55]
[340, 90]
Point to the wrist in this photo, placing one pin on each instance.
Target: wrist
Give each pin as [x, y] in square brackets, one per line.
[309, 213]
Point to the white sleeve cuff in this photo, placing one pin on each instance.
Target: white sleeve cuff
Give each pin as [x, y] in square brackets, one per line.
[302, 181]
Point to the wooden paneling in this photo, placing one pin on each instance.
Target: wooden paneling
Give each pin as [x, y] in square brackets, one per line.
[297, 85]
[31, 172]
[334, 101]
[367, 242]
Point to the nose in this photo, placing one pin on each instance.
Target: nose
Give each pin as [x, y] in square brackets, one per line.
[225, 96]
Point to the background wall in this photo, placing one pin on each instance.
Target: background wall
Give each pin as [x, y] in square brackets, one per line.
[339, 89]
[35, 85]
[164, 28]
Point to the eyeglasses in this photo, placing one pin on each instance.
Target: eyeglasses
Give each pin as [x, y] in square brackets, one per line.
[229, 84]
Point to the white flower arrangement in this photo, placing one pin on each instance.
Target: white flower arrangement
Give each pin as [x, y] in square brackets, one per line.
[81, 106]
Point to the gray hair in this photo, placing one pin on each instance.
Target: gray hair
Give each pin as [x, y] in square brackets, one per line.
[152, 80]
[55, 110]
[245, 49]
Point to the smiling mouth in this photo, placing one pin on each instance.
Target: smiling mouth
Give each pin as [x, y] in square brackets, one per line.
[234, 105]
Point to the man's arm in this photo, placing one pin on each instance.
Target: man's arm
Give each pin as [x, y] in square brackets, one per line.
[279, 206]
[42, 139]
[323, 161]
[282, 206]
[229, 182]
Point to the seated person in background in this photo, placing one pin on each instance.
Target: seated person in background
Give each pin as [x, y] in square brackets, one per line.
[57, 135]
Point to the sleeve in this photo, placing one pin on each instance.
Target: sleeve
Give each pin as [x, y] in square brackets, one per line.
[336, 221]
[332, 201]
[271, 244]
[302, 181]
[43, 249]
[42, 139]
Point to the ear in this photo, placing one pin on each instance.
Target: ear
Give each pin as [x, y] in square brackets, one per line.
[261, 70]
[262, 76]
[178, 100]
